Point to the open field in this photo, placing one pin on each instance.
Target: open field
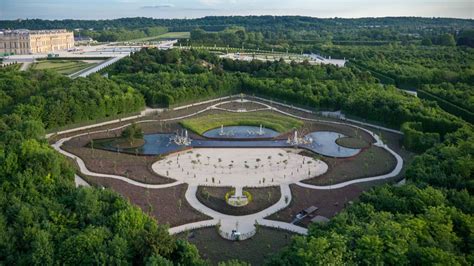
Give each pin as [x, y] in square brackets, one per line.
[270, 120]
[65, 67]
[262, 198]
[255, 250]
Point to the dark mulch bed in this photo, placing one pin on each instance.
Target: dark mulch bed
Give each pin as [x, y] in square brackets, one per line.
[262, 245]
[107, 162]
[244, 105]
[329, 202]
[262, 198]
[369, 162]
[167, 205]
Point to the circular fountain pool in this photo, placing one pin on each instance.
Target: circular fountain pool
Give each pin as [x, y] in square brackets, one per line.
[324, 142]
[240, 132]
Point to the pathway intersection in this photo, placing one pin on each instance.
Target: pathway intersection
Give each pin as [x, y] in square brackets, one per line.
[228, 224]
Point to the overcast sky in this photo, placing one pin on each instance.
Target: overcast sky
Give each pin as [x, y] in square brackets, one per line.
[105, 9]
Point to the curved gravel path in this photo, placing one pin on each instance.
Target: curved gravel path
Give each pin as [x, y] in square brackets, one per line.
[227, 223]
[244, 224]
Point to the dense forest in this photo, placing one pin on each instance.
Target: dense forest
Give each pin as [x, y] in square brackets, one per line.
[170, 77]
[275, 31]
[120, 34]
[44, 219]
[431, 55]
[430, 220]
[56, 100]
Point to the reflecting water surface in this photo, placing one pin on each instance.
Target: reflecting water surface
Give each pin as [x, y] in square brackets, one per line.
[324, 143]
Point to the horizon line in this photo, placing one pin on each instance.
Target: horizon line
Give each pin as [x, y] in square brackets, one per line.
[201, 17]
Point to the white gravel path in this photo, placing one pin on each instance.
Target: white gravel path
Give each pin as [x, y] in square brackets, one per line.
[244, 224]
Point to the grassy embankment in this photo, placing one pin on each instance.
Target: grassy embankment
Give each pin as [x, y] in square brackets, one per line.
[273, 121]
[168, 35]
[65, 67]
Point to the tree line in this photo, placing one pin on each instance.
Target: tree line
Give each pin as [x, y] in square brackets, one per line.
[278, 31]
[427, 221]
[45, 220]
[56, 100]
[120, 34]
[176, 76]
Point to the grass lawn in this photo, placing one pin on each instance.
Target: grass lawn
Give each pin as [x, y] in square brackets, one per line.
[117, 143]
[168, 35]
[65, 67]
[354, 143]
[270, 120]
[255, 250]
[176, 35]
[15, 66]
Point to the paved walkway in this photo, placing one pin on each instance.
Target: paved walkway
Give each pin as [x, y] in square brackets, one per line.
[227, 223]
[231, 167]
[244, 224]
[100, 66]
[80, 182]
[25, 66]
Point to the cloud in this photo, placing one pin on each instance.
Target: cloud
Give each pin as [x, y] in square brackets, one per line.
[217, 2]
[159, 6]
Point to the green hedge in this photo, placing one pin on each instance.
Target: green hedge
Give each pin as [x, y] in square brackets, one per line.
[447, 106]
[382, 77]
[415, 139]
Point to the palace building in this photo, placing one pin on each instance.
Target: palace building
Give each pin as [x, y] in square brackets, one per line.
[35, 41]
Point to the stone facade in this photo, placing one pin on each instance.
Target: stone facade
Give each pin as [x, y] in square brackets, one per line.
[35, 42]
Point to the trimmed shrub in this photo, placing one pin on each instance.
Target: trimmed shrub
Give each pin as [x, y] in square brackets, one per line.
[415, 139]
